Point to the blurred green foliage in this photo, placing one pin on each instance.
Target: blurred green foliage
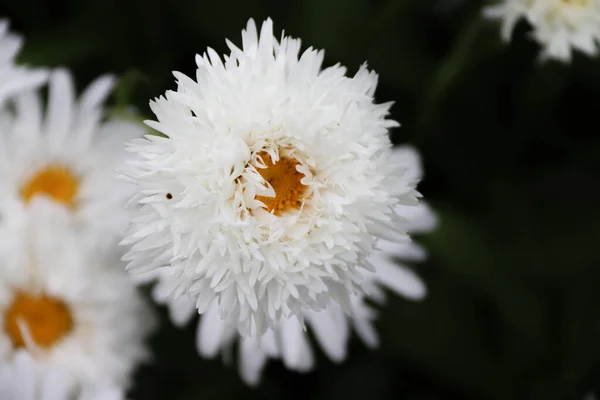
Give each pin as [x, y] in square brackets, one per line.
[512, 161]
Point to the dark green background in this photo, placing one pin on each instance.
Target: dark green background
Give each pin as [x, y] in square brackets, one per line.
[512, 158]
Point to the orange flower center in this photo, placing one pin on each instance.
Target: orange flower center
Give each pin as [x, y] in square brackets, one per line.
[47, 319]
[285, 181]
[54, 181]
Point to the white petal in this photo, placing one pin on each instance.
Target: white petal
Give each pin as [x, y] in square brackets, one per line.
[252, 361]
[57, 384]
[210, 333]
[400, 279]
[60, 107]
[296, 351]
[96, 93]
[331, 332]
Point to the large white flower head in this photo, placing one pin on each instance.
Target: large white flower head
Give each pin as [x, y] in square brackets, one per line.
[24, 379]
[14, 79]
[66, 154]
[560, 26]
[67, 303]
[272, 186]
[331, 326]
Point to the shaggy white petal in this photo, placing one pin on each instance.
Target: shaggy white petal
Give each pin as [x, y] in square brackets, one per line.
[201, 199]
[330, 326]
[559, 26]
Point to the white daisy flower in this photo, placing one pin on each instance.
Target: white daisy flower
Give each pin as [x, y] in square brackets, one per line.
[14, 79]
[331, 327]
[67, 156]
[272, 186]
[560, 26]
[68, 304]
[23, 379]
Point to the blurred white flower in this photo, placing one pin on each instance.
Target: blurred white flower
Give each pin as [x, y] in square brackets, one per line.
[67, 156]
[14, 79]
[272, 187]
[331, 326]
[66, 303]
[558, 25]
[23, 379]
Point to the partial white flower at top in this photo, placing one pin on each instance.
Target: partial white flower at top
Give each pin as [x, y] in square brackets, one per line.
[272, 187]
[23, 379]
[559, 26]
[331, 326]
[66, 153]
[68, 304]
[13, 78]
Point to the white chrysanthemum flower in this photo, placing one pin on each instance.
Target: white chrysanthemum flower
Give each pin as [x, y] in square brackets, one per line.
[67, 156]
[68, 304]
[23, 379]
[331, 326]
[14, 79]
[272, 187]
[558, 25]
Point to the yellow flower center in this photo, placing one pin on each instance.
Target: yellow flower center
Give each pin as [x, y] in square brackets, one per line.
[55, 181]
[47, 319]
[285, 181]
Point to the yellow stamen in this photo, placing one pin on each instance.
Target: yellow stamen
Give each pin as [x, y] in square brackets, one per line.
[54, 181]
[47, 319]
[285, 180]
